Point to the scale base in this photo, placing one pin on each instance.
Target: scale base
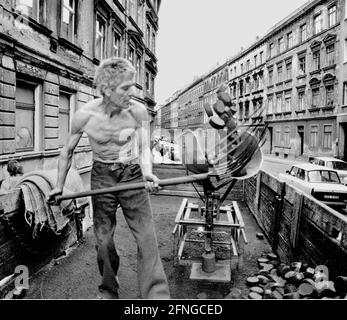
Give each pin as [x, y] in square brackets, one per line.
[222, 273]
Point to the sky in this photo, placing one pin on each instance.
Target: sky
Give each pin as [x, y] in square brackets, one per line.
[195, 35]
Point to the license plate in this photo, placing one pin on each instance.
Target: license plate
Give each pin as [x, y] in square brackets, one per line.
[331, 197]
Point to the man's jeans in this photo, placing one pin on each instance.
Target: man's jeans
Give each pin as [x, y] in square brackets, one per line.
[138, 214]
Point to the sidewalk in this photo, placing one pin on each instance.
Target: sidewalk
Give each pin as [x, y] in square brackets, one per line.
[273, 158]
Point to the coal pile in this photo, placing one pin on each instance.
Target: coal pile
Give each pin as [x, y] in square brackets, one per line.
[297, 280]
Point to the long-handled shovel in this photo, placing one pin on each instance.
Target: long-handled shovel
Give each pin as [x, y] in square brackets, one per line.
[134, 186]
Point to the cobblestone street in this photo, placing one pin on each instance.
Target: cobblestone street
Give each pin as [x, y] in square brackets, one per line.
[76, 276]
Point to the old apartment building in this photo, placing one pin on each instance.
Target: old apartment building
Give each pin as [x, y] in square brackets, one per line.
[303, 81]
[49, 51]
[296, 74]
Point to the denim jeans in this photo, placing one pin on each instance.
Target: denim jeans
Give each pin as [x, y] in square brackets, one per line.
[138, 214]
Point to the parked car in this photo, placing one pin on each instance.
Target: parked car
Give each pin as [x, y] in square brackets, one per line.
[322, 183]
[332, 163]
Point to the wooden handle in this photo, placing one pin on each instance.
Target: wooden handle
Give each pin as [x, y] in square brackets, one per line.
[135, 186]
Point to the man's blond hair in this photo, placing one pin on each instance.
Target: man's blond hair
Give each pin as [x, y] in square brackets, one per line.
[111, 72]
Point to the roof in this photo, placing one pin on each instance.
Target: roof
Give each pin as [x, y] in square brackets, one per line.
[328, 159]
[309, 166]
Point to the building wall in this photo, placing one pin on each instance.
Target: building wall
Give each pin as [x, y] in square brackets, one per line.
[44, 69]
[322, 81]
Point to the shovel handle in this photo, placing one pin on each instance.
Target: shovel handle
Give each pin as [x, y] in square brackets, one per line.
[134, 186]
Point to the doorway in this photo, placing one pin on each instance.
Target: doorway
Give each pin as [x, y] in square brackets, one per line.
[301, 133]
[270, 139]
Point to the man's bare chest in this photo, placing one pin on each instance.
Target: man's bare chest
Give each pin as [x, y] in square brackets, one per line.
[116, 130]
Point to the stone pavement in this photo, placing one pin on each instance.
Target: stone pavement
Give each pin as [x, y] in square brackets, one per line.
[76, 276]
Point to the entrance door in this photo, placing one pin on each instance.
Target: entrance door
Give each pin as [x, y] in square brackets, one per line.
[270, 139]
[344, 128]
[301, 131]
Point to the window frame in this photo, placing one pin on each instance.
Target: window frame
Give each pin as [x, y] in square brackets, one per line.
[327, 142]
[314, 132]
[37, 117]
[103, 53]
[73, 24]
[71, 111]
[332, 16]
[303, 31]
[317, 23]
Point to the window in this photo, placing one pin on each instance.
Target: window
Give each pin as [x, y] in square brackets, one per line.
[329, 95]
[131, 55]
[294, 171]
[241, 111]
[64, 117]
[140, 14]
[148, 82]
[152, 86]
[271, 72]
[116, 44]
[345, 93]
[247, 110]
[315, 97]
[327, 137]
[279, 104]
[281, 45]
[139, 68]
[248, 65]
[316, 60]
[26, 117]
[314, 137]
[301, 174]
[270, 105]
[241, 88]
[287, 136]
[317, 24]
[278, 136]
[241, 68]
[331, 55]
[301, 97]
[132, 8]
[148, 36]
[261, 57]
[153, 42]
[288, 103]
[302, 65]
[332, 15]
[303, 33]
[272, 50]
[31, 8]
[280, 73]
[255, 60]
[100, 39]
[68, 20]
[289, 70]
[290, 39]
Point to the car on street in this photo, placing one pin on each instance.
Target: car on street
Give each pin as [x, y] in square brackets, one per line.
[338, 165]
[324, 184]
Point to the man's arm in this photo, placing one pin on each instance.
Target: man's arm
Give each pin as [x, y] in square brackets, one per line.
[64, 163]
[145, 152]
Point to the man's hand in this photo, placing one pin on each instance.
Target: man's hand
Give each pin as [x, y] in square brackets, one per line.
[51, 198]
[152, 182]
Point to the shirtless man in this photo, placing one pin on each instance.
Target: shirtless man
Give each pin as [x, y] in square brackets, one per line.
[117, 130]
